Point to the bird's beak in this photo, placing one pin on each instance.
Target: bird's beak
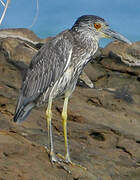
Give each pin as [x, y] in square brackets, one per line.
[109, 33]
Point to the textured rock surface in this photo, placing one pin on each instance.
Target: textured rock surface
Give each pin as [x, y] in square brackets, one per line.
[103, 127]
[20, 33]
[17, 50]
[129, 54]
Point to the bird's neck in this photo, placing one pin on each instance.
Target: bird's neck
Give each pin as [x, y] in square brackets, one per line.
[86, 39]
[87, 46]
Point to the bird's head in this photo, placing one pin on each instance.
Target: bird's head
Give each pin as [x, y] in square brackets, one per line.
[97, 27]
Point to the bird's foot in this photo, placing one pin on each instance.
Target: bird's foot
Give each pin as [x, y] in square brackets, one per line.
[66, 159]
[52, 155]
[59, 161]
[56, 160]
[53, 158]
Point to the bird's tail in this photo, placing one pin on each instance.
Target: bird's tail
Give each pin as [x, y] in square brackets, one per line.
[22, 112]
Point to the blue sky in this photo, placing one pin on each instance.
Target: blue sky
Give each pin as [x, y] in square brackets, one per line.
[55, 16]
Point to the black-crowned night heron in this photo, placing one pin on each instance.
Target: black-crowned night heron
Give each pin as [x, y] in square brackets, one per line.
[55, 69]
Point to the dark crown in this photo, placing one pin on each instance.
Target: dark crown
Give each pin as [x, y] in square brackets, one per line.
[87, 19]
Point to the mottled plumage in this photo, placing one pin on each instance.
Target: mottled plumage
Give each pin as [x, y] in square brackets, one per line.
[55, 69]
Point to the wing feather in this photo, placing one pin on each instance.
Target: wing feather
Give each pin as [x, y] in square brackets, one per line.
[46, 67]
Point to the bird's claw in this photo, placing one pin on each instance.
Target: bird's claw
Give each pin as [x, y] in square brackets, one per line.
[60, 160]
[67, 160]
[54, 159]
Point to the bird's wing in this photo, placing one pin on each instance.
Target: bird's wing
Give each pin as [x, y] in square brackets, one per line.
[46, 67]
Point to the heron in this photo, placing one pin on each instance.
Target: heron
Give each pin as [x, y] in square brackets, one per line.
[54, 71]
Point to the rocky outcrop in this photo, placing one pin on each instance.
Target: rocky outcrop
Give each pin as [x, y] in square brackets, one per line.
[103, 123]
[21, 34]
[129, 54]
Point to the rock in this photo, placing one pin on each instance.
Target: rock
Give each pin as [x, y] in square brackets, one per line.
[85, 80]
[103, 126]
[17, 50]
[121, 57]
[21, 34]
[129, 54]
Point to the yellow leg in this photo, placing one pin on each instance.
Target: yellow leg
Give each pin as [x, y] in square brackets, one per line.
[50, 139]
[64, 118]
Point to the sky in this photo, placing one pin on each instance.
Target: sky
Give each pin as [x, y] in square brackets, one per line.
[55, 16]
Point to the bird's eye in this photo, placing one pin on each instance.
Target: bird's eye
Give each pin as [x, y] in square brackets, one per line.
[97, 25]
